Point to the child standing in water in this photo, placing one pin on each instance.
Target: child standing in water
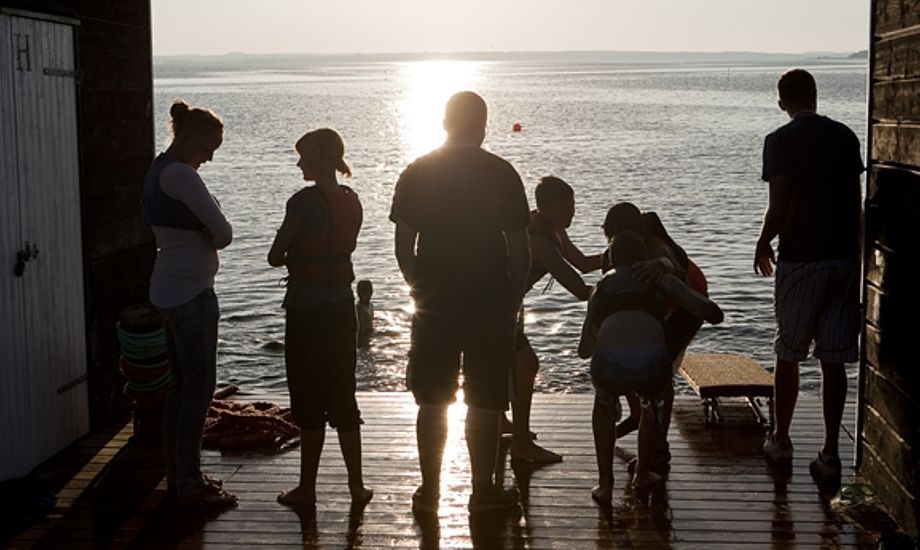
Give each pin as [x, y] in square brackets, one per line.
[364, 311]
[315, 242]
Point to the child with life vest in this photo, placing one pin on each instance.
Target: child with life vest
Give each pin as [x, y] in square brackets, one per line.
[315, 242]
[624, 336]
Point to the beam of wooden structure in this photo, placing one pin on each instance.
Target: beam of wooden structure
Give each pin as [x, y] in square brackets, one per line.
[720, 493]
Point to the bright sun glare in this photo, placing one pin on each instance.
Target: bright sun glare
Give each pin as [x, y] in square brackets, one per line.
[429, 84]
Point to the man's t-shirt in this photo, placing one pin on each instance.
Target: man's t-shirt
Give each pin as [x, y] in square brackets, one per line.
[462, 201]
[821, 159]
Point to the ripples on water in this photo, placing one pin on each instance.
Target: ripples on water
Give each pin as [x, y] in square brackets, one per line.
[682, 139]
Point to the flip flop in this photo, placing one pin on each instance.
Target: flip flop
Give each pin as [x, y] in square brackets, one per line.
[209, 496]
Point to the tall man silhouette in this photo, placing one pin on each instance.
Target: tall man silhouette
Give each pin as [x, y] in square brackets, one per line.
[461, 243]
[813, 167]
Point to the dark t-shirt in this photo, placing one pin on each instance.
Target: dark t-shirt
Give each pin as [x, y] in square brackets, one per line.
[821, 159]
[461, 200]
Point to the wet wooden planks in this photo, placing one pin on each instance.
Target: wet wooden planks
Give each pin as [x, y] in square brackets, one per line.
[719, 493]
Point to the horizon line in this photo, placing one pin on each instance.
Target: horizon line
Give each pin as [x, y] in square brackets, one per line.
[527, 52]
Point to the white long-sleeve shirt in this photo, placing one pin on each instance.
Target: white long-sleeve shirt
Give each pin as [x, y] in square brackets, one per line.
[187, 260]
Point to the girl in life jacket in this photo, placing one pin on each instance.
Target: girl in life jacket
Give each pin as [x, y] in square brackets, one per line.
[315, 242]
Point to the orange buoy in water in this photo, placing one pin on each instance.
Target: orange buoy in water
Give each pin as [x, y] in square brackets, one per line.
[516, 127]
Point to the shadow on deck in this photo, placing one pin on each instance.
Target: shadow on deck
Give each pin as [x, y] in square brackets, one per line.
[719, 493]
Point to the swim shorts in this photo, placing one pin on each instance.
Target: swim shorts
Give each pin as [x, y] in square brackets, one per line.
[817, 302]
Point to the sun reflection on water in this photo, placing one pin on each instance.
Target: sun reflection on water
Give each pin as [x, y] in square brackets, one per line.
[429, 84]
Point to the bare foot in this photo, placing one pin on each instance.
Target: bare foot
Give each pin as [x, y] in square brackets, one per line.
[297, 497]
[627, 426]
[602, 495]
[643, 484]
[534, 453]
[361, 496]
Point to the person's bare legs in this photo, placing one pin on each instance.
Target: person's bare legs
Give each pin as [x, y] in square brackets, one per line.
[431, 437]
[311, 447]
[649, 437]
[667, 406]
[833, 400]
[632, 421]
[785, 394]
[522, 445]
[350, 444]
[604, 444]
[482, 439]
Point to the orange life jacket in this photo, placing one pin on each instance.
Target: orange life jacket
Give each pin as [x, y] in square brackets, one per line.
[326, 259]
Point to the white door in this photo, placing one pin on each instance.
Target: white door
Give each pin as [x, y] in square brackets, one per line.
[52, 333]
[15, 423]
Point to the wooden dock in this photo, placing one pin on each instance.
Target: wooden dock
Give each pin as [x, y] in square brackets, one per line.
[720, 493]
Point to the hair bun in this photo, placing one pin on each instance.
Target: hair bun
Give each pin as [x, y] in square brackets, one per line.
[178, 108]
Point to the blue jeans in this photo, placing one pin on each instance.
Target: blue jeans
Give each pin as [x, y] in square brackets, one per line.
[191, 341]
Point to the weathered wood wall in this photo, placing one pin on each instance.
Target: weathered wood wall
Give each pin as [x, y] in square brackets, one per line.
[114, 104]
[890, 436]
[114, 52]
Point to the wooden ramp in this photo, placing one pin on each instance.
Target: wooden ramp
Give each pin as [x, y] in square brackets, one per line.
[717, 375]
[719, 494]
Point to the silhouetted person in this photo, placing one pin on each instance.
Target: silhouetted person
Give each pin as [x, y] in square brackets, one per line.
[624, 335]
[315, 242]
[680, 324]
[461, 242]
[813, 167]
[189, 228]
[553, 253]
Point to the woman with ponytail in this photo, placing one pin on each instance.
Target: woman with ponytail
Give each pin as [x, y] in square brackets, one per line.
[189, 228]
[315, 242]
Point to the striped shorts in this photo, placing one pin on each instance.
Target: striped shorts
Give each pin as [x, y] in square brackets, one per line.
[817, 302]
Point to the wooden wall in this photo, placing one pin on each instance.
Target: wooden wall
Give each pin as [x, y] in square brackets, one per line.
[115, 109]
[890, 435]
[114, 52]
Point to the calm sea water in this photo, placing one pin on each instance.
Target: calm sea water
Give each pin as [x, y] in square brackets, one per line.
[678, 135]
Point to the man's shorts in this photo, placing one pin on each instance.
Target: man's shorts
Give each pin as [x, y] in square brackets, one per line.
[478, 337]
[817, 302]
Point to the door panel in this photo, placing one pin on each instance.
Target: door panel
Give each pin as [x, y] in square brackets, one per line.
[49, 188]
[15, 422]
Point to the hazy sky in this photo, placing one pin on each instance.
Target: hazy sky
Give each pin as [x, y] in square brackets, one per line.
[368, 26]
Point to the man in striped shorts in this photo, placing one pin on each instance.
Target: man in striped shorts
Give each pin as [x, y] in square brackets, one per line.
[813, 166]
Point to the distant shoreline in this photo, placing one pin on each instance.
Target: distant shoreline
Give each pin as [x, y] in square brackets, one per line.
[583, 56]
